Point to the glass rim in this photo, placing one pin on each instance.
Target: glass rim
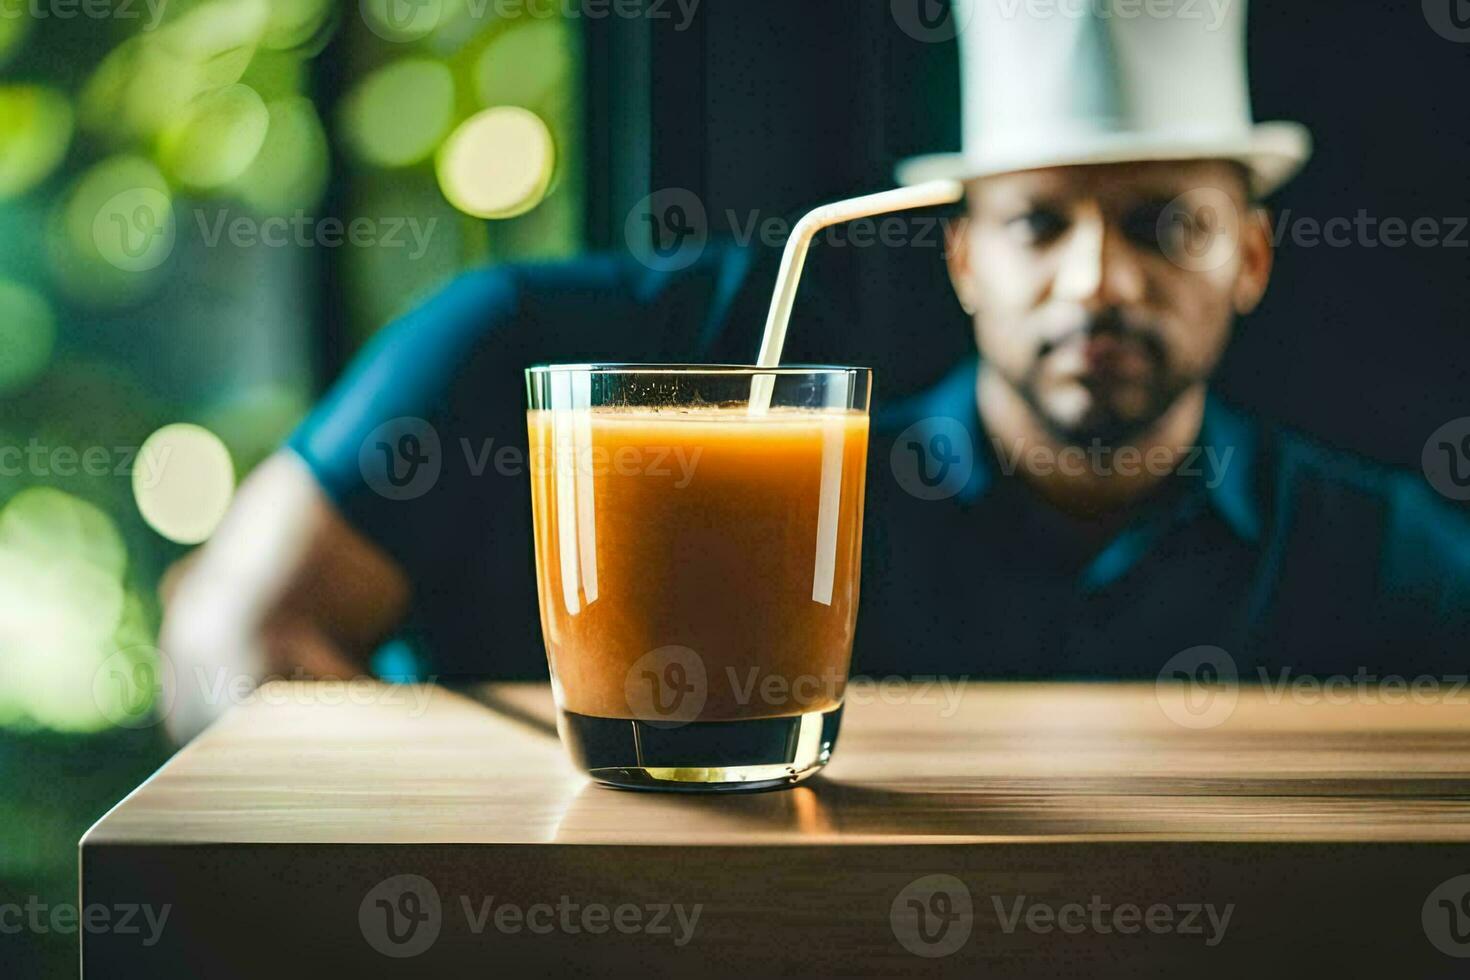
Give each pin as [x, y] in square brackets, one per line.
[733, 370]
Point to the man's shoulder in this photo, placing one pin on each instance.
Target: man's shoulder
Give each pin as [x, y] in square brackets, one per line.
[596, 306]
[1350, 496]
[1313, 464]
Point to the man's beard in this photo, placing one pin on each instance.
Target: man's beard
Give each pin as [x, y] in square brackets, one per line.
[1102, 424]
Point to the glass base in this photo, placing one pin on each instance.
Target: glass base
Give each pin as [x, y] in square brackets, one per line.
[701, 756]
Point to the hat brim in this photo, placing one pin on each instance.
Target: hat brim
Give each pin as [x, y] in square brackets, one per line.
[1273, 152]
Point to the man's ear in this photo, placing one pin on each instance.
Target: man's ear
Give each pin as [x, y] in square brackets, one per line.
[1258, 256]
[957, 255]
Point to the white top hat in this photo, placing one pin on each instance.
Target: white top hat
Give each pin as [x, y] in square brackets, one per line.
[1061, 82]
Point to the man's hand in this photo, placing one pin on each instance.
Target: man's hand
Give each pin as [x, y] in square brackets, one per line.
[284, 587]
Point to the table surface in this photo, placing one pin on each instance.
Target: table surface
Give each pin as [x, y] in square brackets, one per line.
[916, 763]
[1334, 836]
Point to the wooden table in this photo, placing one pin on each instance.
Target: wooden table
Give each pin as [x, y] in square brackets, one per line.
[993, 830]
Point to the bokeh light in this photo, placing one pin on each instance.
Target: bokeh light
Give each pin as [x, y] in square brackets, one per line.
[498, 163]
[399, 21]
[115, 226]
[217, 138]
[183, 481]
[149, 82]
[290, 171]
[62, 607]
[117, 137]
[527, 66]
[35, 131]
[219, 36]
[42, 523]
[298, 24]
[397, 115]
[27, 335]
[136, 89]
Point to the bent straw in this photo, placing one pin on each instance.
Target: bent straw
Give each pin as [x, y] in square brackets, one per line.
[794, 259]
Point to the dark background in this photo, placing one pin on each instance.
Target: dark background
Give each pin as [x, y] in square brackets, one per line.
[772, 106]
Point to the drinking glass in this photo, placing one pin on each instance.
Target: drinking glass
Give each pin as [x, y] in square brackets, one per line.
[698, 534]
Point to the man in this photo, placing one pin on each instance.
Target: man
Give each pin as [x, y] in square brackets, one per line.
[1075, 502]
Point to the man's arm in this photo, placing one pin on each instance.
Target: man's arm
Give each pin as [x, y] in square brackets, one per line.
[312, 566]
[285, 586]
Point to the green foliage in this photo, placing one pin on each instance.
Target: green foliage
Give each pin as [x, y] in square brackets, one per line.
[116, 135]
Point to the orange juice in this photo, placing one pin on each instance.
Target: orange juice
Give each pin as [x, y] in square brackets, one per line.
[731, 539]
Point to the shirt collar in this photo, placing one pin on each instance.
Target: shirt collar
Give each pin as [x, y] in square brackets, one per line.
[1223, 467]
[1230, 448]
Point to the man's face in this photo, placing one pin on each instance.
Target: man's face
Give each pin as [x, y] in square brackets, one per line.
[1103, 293]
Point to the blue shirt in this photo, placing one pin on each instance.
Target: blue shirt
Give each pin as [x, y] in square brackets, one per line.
[1281, 552]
